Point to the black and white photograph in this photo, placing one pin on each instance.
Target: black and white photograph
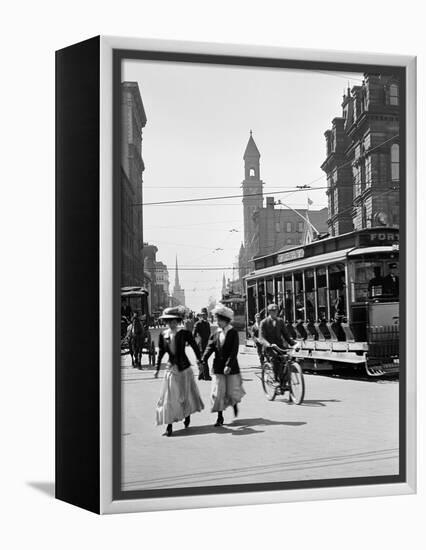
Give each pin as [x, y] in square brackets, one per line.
[261, 210]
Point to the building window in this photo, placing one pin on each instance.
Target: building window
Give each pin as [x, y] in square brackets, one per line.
[277, 227]
[393, 94]
[395, 162]
[252, 172]
[336, 199]
[357, 179]
[300, 227]
[368, 172]
[364, 217]
[289, 227]
[289, 241]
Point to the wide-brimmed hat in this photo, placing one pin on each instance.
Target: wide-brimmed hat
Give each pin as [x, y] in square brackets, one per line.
[176, 312]
[223, 311]
[204, 310]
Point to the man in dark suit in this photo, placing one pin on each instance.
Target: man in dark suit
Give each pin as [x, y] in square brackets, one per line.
[273, 334]
[391, 282]
[202, 334]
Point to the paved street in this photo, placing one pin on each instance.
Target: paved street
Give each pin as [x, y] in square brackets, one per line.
[344, 428]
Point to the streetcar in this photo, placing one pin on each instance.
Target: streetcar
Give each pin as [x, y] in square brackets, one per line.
[339, 297]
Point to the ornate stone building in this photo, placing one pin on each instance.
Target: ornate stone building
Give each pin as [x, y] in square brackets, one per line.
[362, 163]
[132, 167]
[163, 285]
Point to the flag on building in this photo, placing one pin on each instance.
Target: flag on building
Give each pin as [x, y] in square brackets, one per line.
[308, 235]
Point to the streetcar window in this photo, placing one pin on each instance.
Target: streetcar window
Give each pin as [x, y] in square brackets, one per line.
[269, 291]
[251, 303]
[310, 295]
[337, 282]
[278, 292]
[299, 296]
[288, 300]
[367, 280]
[322, 293]
[261, 297]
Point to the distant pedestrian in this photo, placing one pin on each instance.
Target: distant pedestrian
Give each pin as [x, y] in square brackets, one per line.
[179, 396]
[188, 322]
[255, 335]
[227, 386]
[201, 334]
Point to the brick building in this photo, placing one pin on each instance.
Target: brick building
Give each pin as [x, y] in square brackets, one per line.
[133, 121]
[362, 163]
[269, 228]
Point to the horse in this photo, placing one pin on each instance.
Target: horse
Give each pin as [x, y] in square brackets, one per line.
[136, 339]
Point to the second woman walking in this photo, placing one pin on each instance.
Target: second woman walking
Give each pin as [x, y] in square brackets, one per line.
[227, 386]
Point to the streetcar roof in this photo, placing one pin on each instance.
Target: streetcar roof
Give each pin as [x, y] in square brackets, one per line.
[133, 291]
[373, 250]
[323, 259]
[300, 264]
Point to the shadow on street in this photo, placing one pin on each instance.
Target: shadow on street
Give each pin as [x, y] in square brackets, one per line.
[236, 427]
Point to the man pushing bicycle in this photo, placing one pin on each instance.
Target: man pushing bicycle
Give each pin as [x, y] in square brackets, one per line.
[274, 335]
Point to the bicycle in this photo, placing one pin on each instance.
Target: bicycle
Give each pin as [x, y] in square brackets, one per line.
[280, 373]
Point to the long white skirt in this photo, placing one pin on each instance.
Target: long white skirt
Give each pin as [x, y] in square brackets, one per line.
[179, 396]
[227, 390]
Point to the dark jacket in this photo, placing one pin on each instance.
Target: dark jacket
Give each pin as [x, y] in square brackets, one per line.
[179, 358]
[202, 329]
[278, 334]
[391, 286]
[255, 332]
[226, 355]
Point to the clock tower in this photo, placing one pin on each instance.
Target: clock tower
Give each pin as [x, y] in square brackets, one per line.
[252, 193]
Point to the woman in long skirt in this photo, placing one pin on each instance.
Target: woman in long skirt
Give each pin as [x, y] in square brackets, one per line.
[227, 386]
[179, 396]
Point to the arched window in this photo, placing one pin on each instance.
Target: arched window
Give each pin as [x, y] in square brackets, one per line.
[252, 172]
[395, 162]
[393, 94]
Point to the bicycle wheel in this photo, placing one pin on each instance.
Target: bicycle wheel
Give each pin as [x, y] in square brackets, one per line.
[297, 383]
[268, 381]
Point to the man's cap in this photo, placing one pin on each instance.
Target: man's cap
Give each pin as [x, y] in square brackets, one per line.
[272, 306]
[393, 265]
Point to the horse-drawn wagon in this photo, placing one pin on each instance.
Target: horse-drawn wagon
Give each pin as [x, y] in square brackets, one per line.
[135, 319]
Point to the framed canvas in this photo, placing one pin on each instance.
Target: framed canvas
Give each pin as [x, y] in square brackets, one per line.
[235, 289]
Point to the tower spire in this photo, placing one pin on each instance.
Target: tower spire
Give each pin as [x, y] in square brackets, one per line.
[177, 284]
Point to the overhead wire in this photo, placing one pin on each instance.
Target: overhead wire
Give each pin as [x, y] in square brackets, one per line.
[296, 189]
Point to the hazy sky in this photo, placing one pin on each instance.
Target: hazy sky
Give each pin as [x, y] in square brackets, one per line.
[198, 123]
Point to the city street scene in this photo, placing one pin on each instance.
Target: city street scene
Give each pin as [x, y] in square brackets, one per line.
[259, 275]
